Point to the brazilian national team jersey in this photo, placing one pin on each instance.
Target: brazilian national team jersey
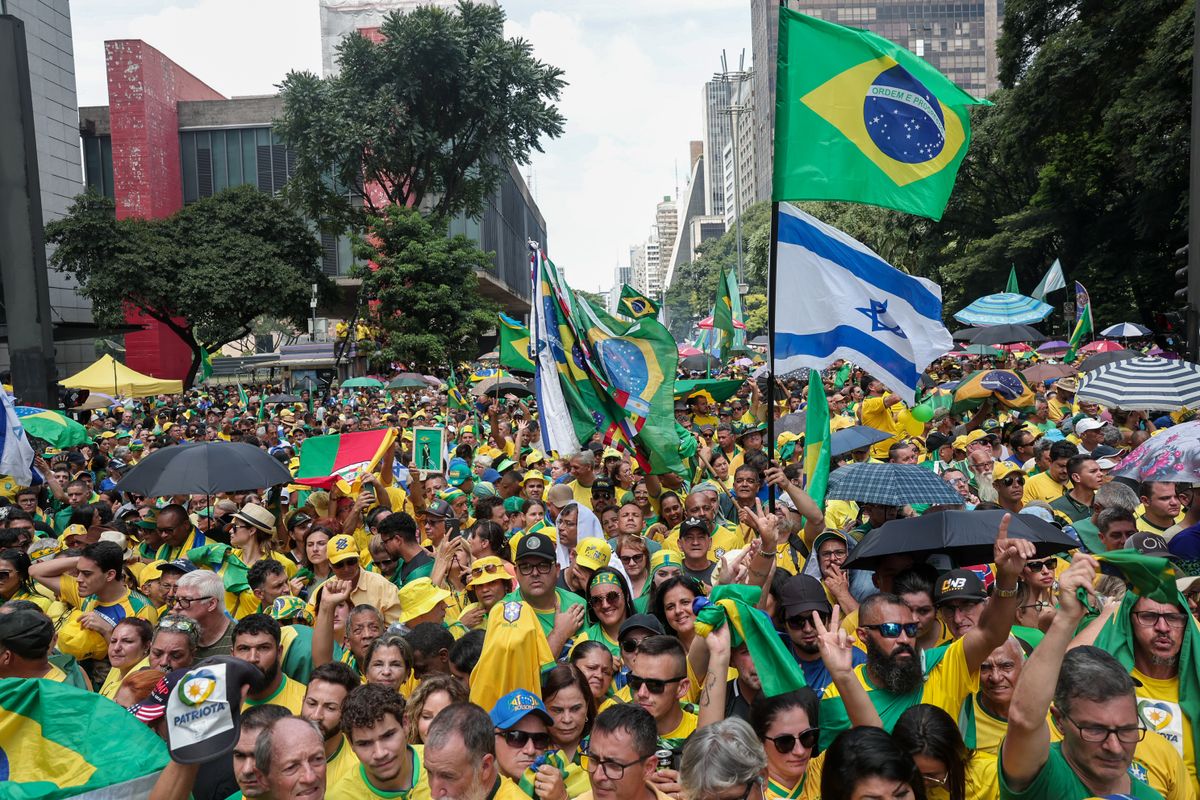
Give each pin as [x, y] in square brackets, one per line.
[83, 643]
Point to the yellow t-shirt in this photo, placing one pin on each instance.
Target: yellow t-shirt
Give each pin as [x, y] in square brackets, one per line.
[374, 590]
[83, 643]
[355, 785]
[723, 540]
[1043, 487]
[685, 728]
[290, 695]
[989, 729]
[809, 787]
[840, 515]
[1158, 707]
[341, 764]
[877, 415]
[582, 494]
[982, 781]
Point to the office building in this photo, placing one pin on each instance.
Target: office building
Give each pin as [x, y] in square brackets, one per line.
[51, 63]
[959, 39]
[718, 129]
[666, 223]
[695, 227]
[739, 166]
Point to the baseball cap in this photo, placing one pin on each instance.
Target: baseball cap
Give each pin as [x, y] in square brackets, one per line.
[1149, 544]
[515, 706]
[181, 564]
[1003, 469]
[439, 508]
[488, 569]
[935, 441]
[513, 504]
[459, 473]
[647, 622]
[691, 523]
[802, 594]
[341, 548]
[150, 572]
[536, 545]
[201, 706]
[1087, 424]
[1106, 456]
[289, 608]
[297, 518]
[592, 553]
[603, 484]
[27, 633]
[958, 584]
[116, 463]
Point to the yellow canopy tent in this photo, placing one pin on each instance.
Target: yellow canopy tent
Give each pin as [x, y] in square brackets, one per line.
[114, 378]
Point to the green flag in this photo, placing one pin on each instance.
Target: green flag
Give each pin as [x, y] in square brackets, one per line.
[1012, 287]
[205, 365]
[514, 345]
[262, 406]
[735, 604]
[454, 396]
[860, 119]
[243, 398]
[726, 317]
[634, 304]
[1083, 320]
[816, 439]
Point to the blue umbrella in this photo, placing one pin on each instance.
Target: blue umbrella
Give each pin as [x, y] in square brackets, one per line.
[1002, 308]
[856, 437]
[889, 485]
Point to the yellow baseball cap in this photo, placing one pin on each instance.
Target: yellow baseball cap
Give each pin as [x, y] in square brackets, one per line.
[1003, 469]
[150, 572]
[340, 548]
[72, 531]
[592, 553]
[486, 570]
[419, 597]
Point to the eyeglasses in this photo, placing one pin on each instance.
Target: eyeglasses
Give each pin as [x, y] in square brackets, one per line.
[801, 621]
[1012, 479]
[630, 560]
[653, 685]
[630, 645]
[518, 739]
[530, 567]
[831, 555]
[1045, 563]
[1095, 734]
[786, 743]
[1149, 619]
[5, 574]
[185, 625]
[1039, 606]
[606, 599]
[613, 770]
[891, 630]
[186, 602]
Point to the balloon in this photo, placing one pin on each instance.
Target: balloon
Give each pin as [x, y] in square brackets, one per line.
[908, 420]
[922, 413]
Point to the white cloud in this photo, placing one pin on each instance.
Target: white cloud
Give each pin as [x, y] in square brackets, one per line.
[636, 69]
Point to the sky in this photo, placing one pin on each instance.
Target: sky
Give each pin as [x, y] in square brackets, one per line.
[635, 69]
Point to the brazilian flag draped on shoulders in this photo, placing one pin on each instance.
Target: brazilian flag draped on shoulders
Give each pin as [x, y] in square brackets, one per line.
[860, 119]
[59, 741]
[636, 305]
[613, 377]
[514, 345]
[1154, 578]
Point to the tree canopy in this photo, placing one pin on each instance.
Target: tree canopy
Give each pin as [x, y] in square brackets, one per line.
[206, 272]
[423, 292]
[429, 116]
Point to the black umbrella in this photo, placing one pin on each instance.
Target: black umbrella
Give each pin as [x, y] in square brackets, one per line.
[1001, 334]
[282, 398]
[791, 423]
[758, 341]
[856, 437]
[700, 363]
[1100, 359]
[206, 468]
[498, 386]
[967, 537]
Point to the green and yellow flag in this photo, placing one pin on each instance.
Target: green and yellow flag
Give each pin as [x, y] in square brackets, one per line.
[634, 304]
[514, 345]
[860, 119]
[58, 741]
[735, 604]
[1083, 321]
[205, 365]
[727, 312]
[816, 439]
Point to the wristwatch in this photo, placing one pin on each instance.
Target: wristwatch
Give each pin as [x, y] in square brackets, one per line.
[1006, 592]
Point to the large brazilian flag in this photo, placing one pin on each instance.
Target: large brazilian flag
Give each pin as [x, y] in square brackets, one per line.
[860, 119]
[58, 741]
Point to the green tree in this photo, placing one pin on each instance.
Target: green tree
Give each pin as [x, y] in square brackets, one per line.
[429, 117]
[428, 311]
[206, 272]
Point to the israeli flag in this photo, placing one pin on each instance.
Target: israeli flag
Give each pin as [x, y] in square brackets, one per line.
[835, 298]
[16, 454]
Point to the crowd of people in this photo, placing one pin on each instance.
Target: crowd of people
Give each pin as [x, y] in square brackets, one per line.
[534, 624]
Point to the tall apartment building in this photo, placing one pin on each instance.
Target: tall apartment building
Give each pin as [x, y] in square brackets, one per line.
[666, 223]
[637, 268]
[718, 129]
[654, 267]
[959, 39]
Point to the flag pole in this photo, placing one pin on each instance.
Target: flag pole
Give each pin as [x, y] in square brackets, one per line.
[771, 341]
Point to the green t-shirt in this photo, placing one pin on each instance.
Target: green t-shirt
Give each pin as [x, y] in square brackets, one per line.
[1057, 781]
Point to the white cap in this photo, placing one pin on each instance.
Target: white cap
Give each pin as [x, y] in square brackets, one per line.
[1087, 424]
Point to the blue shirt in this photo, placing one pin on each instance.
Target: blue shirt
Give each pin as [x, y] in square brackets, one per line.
[817, 677]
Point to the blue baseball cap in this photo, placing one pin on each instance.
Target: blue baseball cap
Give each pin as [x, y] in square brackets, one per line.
[515, 706]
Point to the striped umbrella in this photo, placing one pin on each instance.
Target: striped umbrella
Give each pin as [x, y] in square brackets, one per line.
[1005, 307]
[1124, 330]
[1143, 383]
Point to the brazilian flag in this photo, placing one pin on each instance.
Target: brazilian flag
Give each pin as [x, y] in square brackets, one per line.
[59, 741]
[735, 604]
[1002, 385]
[860, 119]
[514, 345]
[636, 305]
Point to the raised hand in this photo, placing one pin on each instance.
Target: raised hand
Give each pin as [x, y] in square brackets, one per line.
[1010, 555]
[837, 651]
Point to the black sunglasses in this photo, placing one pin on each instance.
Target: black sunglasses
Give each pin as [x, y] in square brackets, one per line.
[518, 739]
[800, 621]
[785, 743]
[653, 685]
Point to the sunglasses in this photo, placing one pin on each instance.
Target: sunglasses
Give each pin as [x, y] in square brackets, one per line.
[653, 685]
[488, 569]
[1012, 479]
[606, 599]
[801, 621]
[5, 574]
[1045, 563]
[184, 625]
[786, 743]
[518, 739]
[891, 630]
[630, 645]
[630, 560]
[385, 562]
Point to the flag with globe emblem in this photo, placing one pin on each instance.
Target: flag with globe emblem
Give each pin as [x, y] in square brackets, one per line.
[636, 305]
[860, 119]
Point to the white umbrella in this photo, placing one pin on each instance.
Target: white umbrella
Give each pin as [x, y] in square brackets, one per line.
[1143, 383]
